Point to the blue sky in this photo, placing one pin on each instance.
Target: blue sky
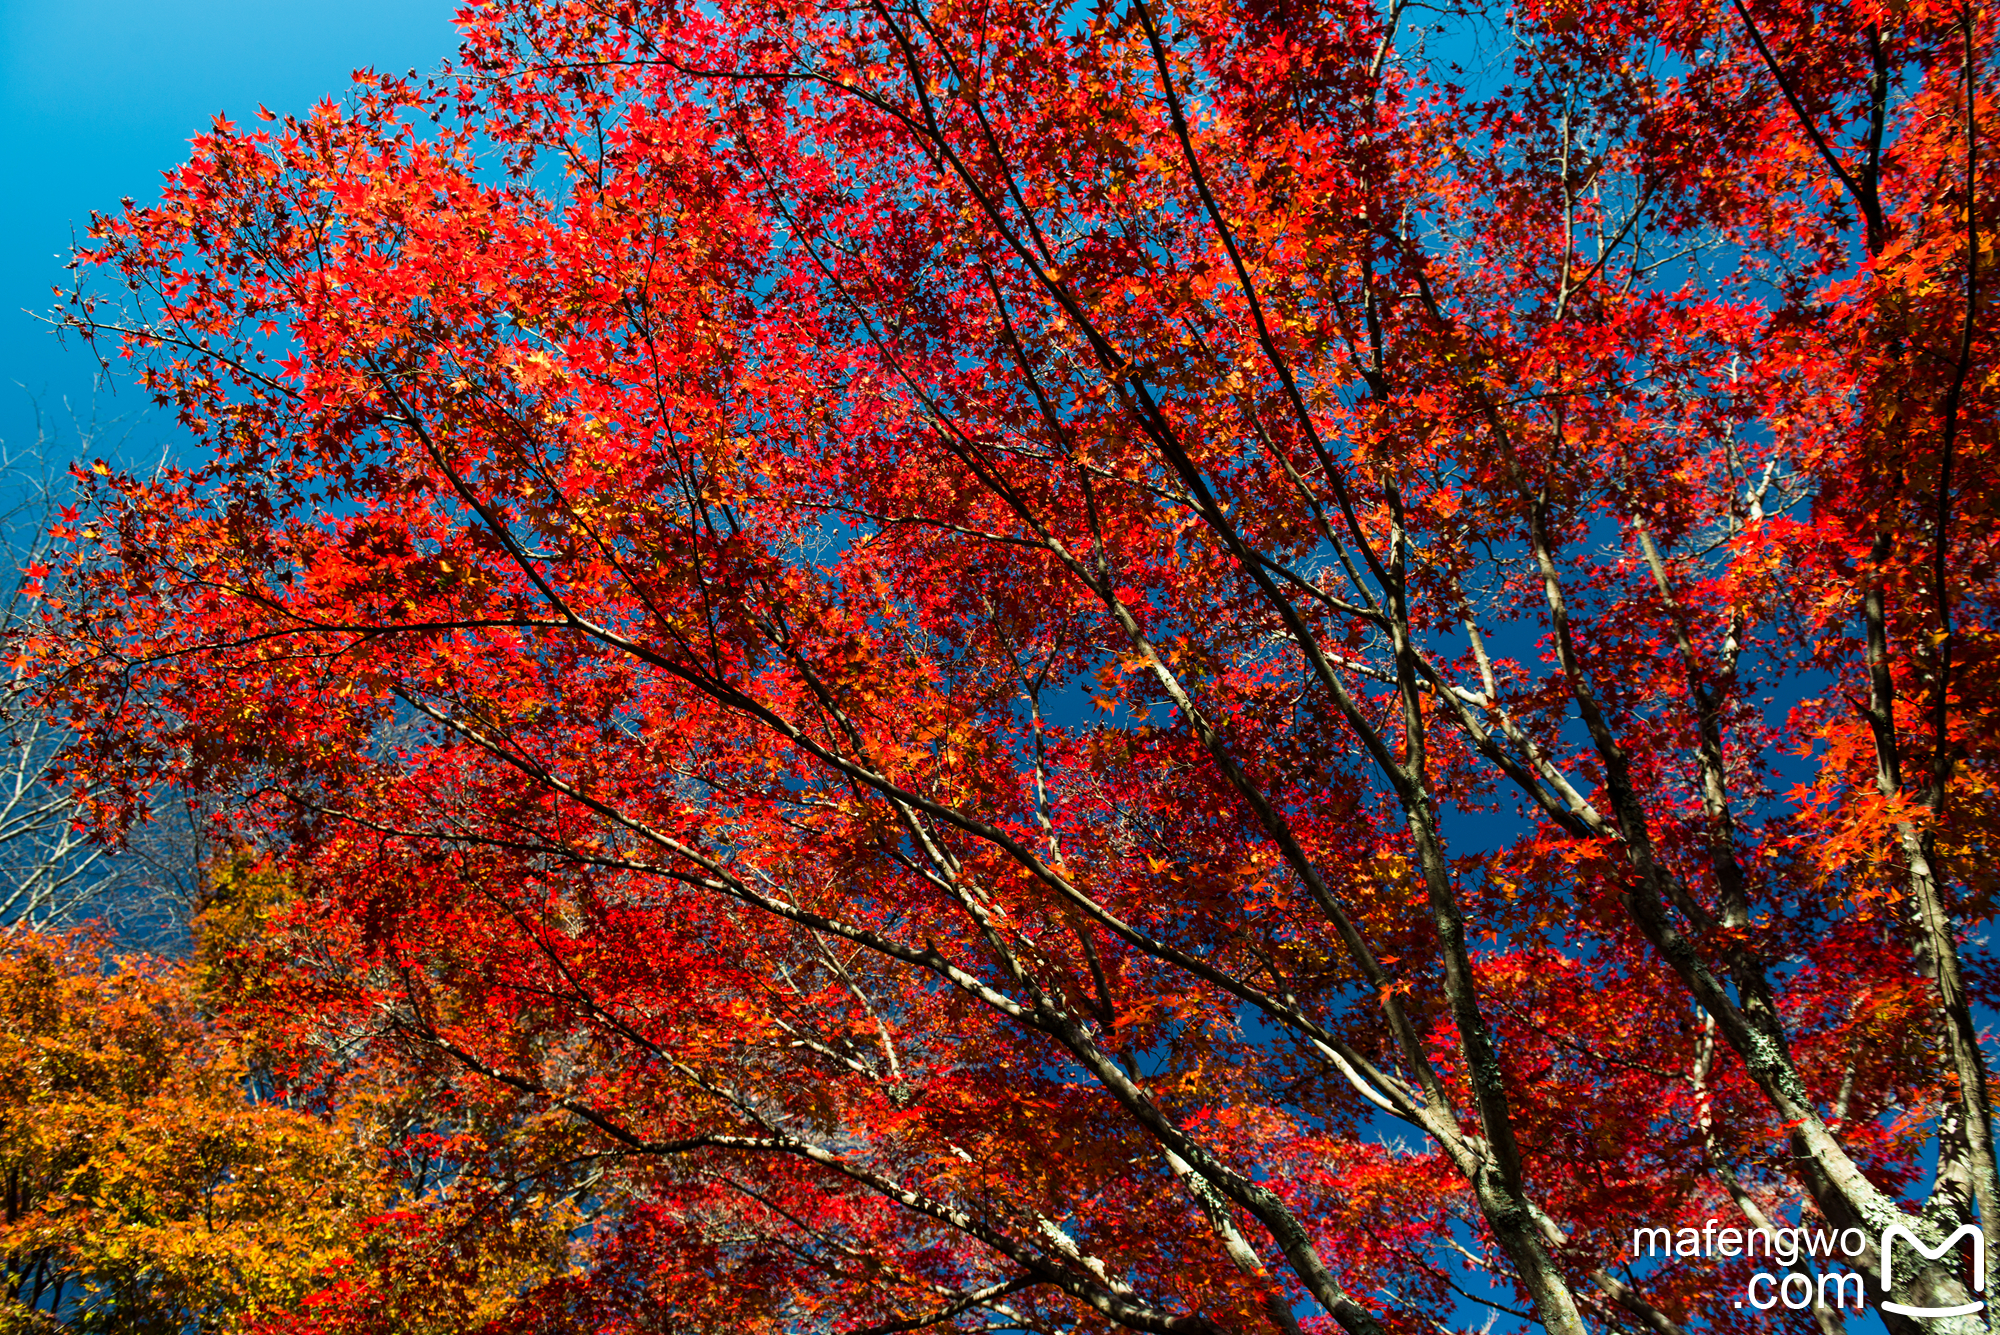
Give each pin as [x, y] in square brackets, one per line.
[97, 98]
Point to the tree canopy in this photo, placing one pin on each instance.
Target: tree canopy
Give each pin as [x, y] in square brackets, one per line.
[145, 1184]
[1181, 666]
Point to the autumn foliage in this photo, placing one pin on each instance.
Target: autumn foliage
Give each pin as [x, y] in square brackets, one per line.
[1215, 665]
[146, 1185]
[177, 1158]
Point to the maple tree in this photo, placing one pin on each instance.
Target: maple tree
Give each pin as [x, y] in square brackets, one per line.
[1184, 667]
[155, 1180]
[145, 1188]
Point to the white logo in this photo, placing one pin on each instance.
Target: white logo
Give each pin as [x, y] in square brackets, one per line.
[1894, 1231]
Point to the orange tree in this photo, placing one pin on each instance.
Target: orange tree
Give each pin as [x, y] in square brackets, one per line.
[1192, 665]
